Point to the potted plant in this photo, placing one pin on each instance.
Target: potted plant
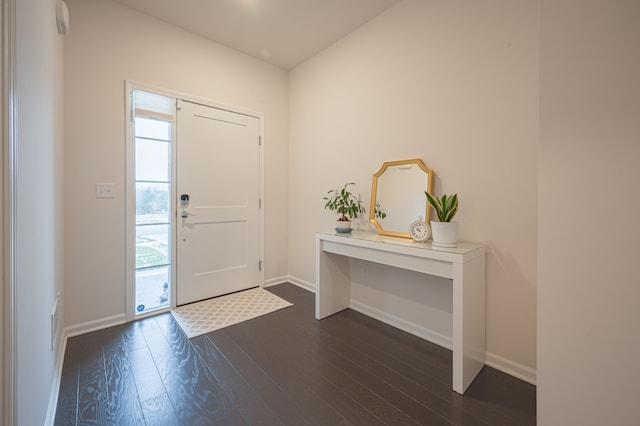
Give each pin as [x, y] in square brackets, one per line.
[445, 232]
[379, 212]
[345, 204]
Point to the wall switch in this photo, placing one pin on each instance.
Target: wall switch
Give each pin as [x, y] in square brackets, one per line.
[105, 190]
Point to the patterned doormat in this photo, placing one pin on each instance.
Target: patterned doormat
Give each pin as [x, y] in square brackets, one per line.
[213, 314]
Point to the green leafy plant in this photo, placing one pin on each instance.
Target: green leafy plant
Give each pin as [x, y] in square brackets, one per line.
[446, 208]
[379, 212]
[344, 203]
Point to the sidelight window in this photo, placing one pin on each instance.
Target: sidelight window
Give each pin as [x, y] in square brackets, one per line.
[152, 152]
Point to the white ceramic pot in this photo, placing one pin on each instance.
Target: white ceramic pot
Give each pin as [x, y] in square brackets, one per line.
[343, 226]
[445, 234]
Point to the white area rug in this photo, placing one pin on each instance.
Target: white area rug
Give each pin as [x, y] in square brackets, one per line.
[213, 314]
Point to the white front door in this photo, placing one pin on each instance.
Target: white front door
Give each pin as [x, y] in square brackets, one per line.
[218, 206]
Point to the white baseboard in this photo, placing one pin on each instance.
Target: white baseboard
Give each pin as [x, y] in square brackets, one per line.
[99, 324]
[275, 281]
[404, 325]
[293, 280]
[57, 379]
[302, 284]
[511, 368]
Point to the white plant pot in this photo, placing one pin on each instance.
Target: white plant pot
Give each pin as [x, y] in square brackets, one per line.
[343, 226]
[445, 234]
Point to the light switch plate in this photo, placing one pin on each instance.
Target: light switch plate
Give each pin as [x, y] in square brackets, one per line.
[105, 190]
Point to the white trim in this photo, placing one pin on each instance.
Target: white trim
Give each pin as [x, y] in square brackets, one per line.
[130, 202]
[174, 196]
[261, 215]
[57, 380]
[275, 281]
[9, 122]
[130, 85]
[302, 283]
[194, 99]
[293, 280]
[129, 207]
[95, 325]
[404, 325]
[512, 368]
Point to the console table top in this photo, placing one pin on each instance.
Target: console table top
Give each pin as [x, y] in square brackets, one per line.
[463, 248]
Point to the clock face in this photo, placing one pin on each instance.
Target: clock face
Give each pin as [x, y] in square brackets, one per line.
[419, 230]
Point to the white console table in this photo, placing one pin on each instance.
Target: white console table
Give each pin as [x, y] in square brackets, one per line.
[464, 265]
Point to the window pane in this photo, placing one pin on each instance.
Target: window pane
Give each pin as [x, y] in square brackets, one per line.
[152, 202]
[154, 129]
[152, 246]
[152, 289]
[153, 102]
[152, 160]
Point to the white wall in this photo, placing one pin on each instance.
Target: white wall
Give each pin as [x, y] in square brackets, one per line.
[589, 284]
[455, 83]
[39, 224]
[107, 45]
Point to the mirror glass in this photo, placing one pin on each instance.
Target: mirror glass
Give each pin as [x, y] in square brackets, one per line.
[397, 190]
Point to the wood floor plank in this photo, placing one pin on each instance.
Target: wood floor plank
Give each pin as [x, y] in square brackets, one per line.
[195, 394]
[422, 414]
[80, 351]
[405, 385]
[279, 365]
[92, 389]
[421, 408]
[373, 336]
[462, 410]
[284, 407]
[421, 362]
[67, 407]
[307, 370]
[145, 373]
[284, 368]
[500, 399]
[123, 405]
[159, 411]
[248, 403]
[309, 350]
[133, 335]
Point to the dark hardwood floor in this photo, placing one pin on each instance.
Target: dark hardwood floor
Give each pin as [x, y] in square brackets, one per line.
[283, 368]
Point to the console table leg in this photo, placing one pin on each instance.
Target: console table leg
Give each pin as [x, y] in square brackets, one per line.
[333, 283]
[469, 348]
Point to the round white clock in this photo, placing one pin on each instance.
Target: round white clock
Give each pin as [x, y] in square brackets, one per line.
[419, 230]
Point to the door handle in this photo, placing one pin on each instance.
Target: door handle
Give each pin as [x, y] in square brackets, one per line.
[185, 214]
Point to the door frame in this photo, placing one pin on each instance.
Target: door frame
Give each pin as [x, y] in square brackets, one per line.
[8, 213]
[130, 209]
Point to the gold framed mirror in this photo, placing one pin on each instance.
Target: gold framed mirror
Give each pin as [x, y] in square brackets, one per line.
[397, 190]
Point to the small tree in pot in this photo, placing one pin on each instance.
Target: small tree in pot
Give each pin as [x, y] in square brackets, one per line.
[347, 205]
[445, 232]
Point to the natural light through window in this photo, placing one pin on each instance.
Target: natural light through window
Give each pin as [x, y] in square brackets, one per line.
[153, 219]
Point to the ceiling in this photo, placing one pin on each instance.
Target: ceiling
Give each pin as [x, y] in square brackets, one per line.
[282, 32]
